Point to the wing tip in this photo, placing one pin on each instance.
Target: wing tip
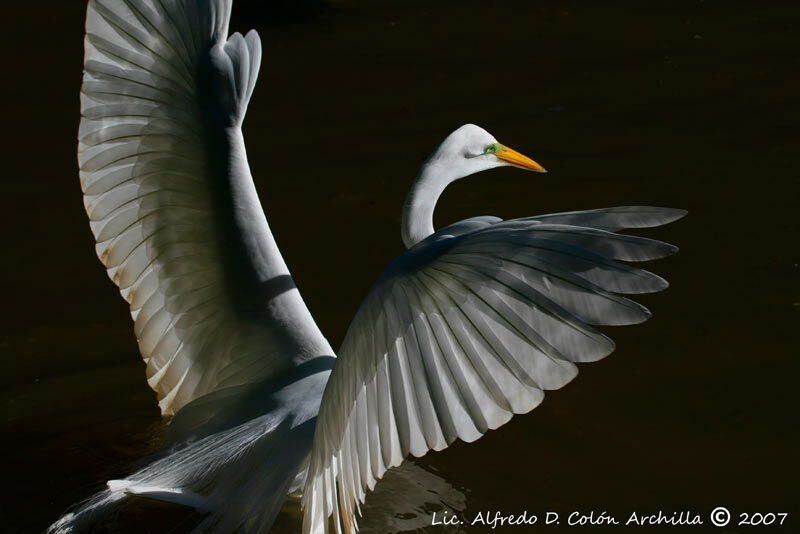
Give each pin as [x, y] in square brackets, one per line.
[669, 215]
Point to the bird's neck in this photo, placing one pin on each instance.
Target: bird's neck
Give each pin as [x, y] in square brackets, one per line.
[417, 223]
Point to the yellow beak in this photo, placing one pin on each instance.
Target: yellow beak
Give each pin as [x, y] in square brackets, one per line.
[515, 159]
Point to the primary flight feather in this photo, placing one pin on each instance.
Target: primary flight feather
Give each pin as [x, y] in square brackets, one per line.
[466, 328]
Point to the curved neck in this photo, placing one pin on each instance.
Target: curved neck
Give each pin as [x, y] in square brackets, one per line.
[417, 223]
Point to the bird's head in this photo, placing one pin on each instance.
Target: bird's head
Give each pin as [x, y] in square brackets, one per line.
[467, 150]
[472, 149]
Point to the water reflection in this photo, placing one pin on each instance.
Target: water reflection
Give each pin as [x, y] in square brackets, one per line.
[403, 501]
[406, 499]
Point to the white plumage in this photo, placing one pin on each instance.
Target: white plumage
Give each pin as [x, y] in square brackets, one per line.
[465, 329]
[170, 198]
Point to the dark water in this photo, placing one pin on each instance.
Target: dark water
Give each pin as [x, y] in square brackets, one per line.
[686, 104]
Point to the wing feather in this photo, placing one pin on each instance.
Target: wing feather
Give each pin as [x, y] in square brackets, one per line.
[614, 219]
[466, 329]
[155, 195]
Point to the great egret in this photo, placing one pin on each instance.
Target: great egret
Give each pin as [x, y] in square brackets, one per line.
[466, 328]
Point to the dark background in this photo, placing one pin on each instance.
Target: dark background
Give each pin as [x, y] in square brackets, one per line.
[686, 104]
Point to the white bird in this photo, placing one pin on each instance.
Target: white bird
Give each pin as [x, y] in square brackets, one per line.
[466, 328]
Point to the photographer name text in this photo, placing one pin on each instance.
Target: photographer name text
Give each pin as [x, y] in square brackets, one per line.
[718, 517]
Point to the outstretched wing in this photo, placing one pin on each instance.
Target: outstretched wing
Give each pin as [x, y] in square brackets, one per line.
[464, 330]
[169, 194]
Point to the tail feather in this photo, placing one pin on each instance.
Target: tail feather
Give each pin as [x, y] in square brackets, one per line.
[240, 476]
[88, 513]
[158, 493]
